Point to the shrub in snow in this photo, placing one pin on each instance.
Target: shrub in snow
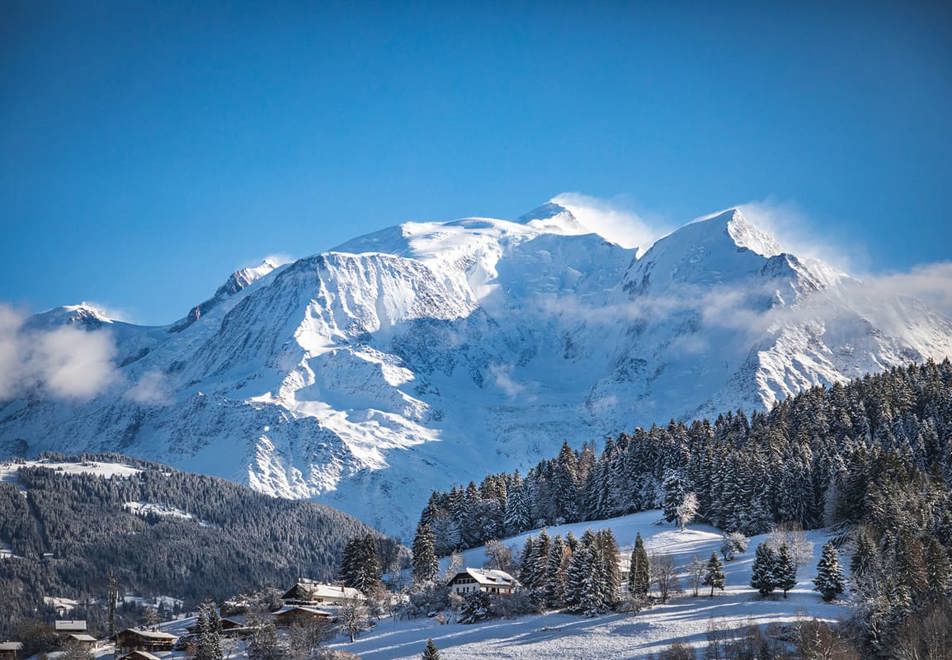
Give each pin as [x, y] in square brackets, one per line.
[733, 544]
[476, 607]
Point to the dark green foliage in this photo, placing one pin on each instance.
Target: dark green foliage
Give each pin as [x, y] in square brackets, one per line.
[785, 571]
[639, 572]
[762, 577]
[360, 567]
[245, 540]
[714, 575]
[425, 564]
[476, 607]
[829, 575]
[430, 652]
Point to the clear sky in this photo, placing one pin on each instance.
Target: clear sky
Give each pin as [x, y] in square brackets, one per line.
[149, 148]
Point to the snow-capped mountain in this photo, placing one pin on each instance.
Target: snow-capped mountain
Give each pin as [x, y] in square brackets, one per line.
[432, 353]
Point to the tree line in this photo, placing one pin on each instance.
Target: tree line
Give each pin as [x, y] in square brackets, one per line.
[872, 457]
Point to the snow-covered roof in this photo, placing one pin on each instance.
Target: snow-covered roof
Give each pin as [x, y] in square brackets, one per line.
[151, 634]
[70, 625]
[141, 654]
[302, 608]
[318, 590]
[82, 637]
[488, 577]
[10, 646]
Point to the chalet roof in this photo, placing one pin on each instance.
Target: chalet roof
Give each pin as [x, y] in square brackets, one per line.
[70, 625]
[313, 590]
[302, 608]
[150, 634]
[488, 577]
[143, 655]
[82, 637]
[10, 646]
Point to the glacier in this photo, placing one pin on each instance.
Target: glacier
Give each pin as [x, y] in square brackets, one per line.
[432, 353]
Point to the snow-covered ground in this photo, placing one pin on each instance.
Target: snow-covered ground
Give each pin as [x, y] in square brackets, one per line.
[684, 619]
[9, 469]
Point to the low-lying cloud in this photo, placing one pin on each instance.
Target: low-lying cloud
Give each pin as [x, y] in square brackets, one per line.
[64, 362]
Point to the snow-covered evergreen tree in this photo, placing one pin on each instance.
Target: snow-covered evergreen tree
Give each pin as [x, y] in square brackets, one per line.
[425, 564]
[785, 570]
[209, 633]
[430, 652]
[829, 576]
[762, 576]
[674, 492]
[555, 574]
[639, 572]
[714, 575]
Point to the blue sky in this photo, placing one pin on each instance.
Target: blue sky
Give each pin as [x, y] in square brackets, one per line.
[148, 149]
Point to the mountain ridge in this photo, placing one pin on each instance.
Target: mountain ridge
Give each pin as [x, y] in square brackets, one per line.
[429, 353]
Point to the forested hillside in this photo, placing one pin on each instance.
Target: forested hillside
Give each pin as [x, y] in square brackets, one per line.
[159, 531]
[872, 458]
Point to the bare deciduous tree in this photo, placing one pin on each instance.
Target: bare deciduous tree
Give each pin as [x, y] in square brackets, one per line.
[791, 533]
[696, 569]
[664, 575]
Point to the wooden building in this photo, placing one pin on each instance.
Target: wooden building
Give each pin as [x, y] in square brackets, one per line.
[288, 616]
[134, 639]
[139, 655]
[310, 593]
[85, 640]
[9, 650]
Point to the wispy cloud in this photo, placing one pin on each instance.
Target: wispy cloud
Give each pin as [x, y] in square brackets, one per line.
[614, 219]
[152, 388]
[65, 362]
[502, 375]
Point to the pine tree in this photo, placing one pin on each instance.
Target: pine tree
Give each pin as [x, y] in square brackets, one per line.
[518, 516]
[866, 556]
[829, 575]
[714, 576]
[606, 568]
[785, 571]
[762, 575]
[555, 574]
[639, 572]
[425, 564]
[528, 564]
[939, 569]
[431, 652]
[674, 492]
[577, 578]
[209, 634]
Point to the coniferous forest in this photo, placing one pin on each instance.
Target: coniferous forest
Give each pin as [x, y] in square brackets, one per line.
[872, 459]
[70, 533]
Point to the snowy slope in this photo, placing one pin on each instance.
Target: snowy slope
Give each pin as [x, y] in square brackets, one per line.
[432, 353]
[684, 619]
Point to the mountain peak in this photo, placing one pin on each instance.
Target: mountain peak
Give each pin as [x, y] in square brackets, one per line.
[742, 232]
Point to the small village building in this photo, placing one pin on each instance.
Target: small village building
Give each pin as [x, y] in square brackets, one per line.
[9, 650]
[69, 626]
[471, 580]
[83, 639]
[288, 616]
[309, 593]
[134, 639]
[139, 655]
